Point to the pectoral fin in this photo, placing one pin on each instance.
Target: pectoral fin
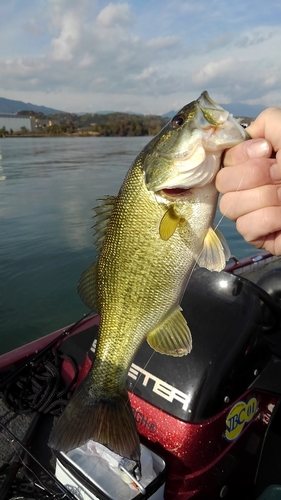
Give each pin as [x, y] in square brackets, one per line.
[87, 287]
[215, 251]
[226, 249]
[169, 224]
[172, 337]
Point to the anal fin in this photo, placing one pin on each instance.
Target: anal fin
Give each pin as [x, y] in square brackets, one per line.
[172, 337]
[87, 287]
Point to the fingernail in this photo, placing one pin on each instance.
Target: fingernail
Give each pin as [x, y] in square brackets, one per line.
[257, 149]
[275, 172]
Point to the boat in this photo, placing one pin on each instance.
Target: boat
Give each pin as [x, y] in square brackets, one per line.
[209, 423]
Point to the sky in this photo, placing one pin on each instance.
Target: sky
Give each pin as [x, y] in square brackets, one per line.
[145, 56]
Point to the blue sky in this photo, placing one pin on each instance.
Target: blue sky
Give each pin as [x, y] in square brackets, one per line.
[148, 56]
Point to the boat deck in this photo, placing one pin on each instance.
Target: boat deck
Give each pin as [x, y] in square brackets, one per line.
[33, 430]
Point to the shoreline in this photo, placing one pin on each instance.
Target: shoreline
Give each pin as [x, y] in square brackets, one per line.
[38, 136]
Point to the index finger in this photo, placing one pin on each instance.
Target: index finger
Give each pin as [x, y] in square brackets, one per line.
[247, 150]
[267, 125]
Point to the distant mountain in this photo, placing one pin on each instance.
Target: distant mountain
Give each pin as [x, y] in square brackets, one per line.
[241, 109]
[105, 112]
[170, 114]
[109, 112]
[236, 109]
[11, 106]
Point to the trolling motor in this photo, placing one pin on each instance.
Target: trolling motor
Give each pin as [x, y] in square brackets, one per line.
[207, 414]
[205, 417]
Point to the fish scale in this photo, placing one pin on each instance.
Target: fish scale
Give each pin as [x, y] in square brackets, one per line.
[146, 289]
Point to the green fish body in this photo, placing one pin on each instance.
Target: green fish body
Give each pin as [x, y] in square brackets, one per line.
[149, 239]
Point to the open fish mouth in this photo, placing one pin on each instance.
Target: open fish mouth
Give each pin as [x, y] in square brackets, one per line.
[174, 193]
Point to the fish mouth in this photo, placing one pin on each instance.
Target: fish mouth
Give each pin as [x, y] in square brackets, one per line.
[173, 193]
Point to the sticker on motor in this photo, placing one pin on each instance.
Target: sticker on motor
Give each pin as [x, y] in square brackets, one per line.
[240, 414]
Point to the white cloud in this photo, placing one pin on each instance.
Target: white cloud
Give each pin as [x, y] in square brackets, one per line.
[163, 43]
[93, 54]
[147, 74]
[214, 71]
[115, 14]
[65, 44]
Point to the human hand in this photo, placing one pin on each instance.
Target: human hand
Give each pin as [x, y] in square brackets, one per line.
[251, 183]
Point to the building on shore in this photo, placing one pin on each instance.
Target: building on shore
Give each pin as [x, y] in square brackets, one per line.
[15, 123]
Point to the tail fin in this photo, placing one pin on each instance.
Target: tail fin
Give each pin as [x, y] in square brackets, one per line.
[107, 421]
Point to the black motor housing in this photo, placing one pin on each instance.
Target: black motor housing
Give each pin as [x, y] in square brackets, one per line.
[230, 348]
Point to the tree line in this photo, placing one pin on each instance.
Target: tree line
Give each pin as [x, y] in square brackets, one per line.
[99, 124]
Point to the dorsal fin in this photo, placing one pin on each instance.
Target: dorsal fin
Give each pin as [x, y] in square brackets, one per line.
[87, 287]
[101, 218]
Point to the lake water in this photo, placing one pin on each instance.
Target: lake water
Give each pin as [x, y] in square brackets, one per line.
[48, 187]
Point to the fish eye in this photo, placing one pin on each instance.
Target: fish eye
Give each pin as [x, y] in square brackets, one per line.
[177, 121]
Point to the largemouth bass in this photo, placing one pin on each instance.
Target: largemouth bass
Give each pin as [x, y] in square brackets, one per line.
[148, 238]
